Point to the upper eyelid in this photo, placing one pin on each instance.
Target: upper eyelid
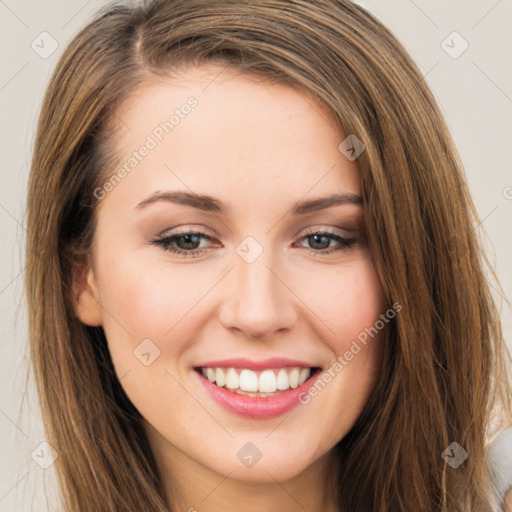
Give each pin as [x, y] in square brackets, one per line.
[167, 233]
[203, 235]
[208, 232]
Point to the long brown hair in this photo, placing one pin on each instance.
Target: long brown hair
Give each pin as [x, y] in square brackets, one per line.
[444, 367]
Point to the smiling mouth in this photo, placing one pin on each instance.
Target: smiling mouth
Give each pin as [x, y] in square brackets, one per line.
[268, 382]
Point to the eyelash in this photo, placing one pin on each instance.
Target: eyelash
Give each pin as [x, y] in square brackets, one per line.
[166, 243]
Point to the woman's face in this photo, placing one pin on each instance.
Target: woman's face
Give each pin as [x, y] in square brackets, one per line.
[275, 282]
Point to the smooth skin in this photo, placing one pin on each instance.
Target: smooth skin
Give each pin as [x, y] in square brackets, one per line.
[258, 148]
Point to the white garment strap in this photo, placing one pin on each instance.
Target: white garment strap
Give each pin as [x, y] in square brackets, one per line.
[500, 461]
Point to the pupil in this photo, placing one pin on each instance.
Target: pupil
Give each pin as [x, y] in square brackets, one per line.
[317, 241]
[189, 239]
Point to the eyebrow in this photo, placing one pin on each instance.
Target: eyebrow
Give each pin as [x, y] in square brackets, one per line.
[210, 204]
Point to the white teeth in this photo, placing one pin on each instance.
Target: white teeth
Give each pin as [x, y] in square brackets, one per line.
[248, 380]
[266, 381]
[220, 377]
[232, 379]
[293, 378]
[282, 380]
[304, 375]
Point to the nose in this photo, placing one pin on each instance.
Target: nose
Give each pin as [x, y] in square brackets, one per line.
[259, 303]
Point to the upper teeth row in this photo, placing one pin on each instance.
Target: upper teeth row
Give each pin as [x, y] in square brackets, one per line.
[267, 381]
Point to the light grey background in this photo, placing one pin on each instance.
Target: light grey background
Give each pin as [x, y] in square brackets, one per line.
[474, 91]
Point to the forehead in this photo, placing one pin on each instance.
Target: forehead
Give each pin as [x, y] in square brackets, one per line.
[230, 135]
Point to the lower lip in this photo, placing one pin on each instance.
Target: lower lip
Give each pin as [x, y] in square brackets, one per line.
[257, 407]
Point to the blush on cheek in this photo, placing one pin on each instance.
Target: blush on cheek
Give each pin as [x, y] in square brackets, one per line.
[350, 303]
[146, 303]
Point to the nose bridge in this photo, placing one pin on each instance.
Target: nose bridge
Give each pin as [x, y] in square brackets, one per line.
[255, 283]
[260, 303]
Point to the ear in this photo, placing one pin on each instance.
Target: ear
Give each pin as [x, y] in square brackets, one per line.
[86, 300]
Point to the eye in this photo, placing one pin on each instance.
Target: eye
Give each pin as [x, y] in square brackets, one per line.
[319, 241]
[183, 244]
[188, 243]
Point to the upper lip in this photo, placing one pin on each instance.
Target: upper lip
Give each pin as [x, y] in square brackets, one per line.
[274, 362]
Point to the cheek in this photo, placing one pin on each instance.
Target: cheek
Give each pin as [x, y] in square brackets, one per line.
[348, 299]
[150, 315]
[143, 308]
[351, 304]
[150, 300]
